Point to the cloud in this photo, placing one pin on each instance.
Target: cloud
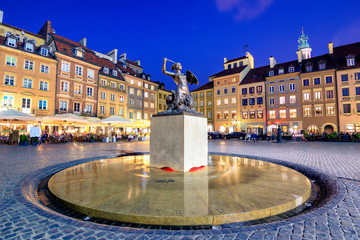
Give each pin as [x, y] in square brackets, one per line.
[245, 9]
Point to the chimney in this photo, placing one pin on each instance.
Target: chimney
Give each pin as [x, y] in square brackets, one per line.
[113, 54]
[45, 30]
[122, 57]
[331, 47]
[137, 62]
[272, 62]
[225, 59]
[299, 54]
[251, 60]
[83, 42]
[1, 16]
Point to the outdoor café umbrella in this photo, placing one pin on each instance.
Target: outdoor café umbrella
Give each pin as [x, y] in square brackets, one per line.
[116, 120]
[10, 115]
[64, 118]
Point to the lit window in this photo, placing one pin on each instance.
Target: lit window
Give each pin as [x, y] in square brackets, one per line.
[218, 102]
[317, 95]
[139, 84]
[233, 114]
[29, 65]
[318, 111]
[233, 100]
[272, 114]
[259, 114]
[9, 80]
[152, 105]
[330, 110]
[64, 86]
[146, 104]
[44, 68]
[282, 113]
[293, 113]
[259, 89]
[145, 116]
[121, 98]
[252, 114]
[307, 96]
[79, 53]
[292, 99]
[78, 70]
[226, 115]
[351, 61]
[138, 115]
[307, 112]
[245, 115]
[77, 88]
[11, 61]
[90, 74]
[282, 100]
[226, 101]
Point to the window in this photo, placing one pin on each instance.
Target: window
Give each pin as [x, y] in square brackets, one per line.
[77, 88]
[146, 94]
[27, 83]
[259, 114]
[11, 42]
[138, 115]
[346, 108]
[251, 101]
[307, 112]
[63, 106]
[202, 94]
[152, 87]
[282, 100]
[77, 107]
[218, 92]
[29, 47]
[131, 102]
[259, 89]
[357, 90]
[309, 68]
[44, 86]
[252, 114]
[233, 114]
[345, 92]
[357, 76]
[112, 97]
[102, 109]
[292, 99]
[318, 111]
[344, 78]
[317, 95]
[131, 81]
[8, 101]
[226, 115]
[209, 93]
[139, 84]
[122, 87]
[152, 105]
[229, 66]
[271, 101]
[210, 114]
[328, 79]
[44, 68]
[79, 53]
[121, 111]
[146, 104]
[114, 73]
[9, 80]
[146, 85]
[330, 110]
[291, 69]
[292, 86]
[90, 74]
[64, 86]
[271, 73]
[244, 102]
[202, 103]
[89, 108]
[11, 61]
[195, 95]
[139, 93]
[282, 113]
[29, 65]
[112, 110]
[350, 62]
[244, 91]
[293, 113]
[245, 115]
[252, 90]
[44, 51]
[322, 66]
[103, 82]
[131, 115]
[235, 65]
[78, 70]
[306, 82]
[146, 116]
[218, 102]
[281, 88]
[209, 103]
[358, 107]
[225, 90]
[89, 91]
[306, 96]
[131, 90]
[121, 98]
[329, 94]
[232, 90]
[103, 95]
[233, 100]
[281, 71]
[138, 102]
[259, 100]
[65, 67]
[271, 89]
[152, 96]
[272, 114]
[226, 101]
[316, 81]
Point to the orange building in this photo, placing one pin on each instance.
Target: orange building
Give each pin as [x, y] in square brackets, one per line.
[203, 101]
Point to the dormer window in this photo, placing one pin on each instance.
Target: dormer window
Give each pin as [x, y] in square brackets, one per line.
[322, 66]
[7, 34]
[143, 76]
[291, 69]
[29, 47]
[229, 66]
[271, 73]
[106, 70]
[79, 53]
[33, 41]
[25, 39]
[309, 68]
[235, 65]
[11, 42]
[281, 71]
[241, 64]
[114, 72]
[18, 38]
[350, 61]
[124, 66]
[148, 78]
[44, 51]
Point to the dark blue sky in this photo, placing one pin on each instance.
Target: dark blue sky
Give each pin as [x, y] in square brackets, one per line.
[197, 33]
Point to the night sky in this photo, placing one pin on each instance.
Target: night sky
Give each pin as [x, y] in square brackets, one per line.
[197, 33]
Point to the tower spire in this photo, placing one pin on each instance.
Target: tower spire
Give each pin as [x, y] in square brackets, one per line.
[304, 45]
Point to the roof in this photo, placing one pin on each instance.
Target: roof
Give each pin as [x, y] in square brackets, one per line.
[256, 75]
[103, 62]
[341, 52]
[133, 63]
[20, 46]
[37, 35]
[209, 85]
[235, 59]
[229, 72]
[165, 90]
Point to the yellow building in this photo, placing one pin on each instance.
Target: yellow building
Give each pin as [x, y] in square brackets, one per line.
[226, 93]
[162, 95]
[28, 77]
[203, 101]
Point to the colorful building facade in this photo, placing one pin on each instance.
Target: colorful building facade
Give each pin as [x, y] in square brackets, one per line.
[203, 101]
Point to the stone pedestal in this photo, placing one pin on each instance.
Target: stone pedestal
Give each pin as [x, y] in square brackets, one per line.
[178, 141]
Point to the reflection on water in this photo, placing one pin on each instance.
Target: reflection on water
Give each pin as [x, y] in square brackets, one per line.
[128, 185]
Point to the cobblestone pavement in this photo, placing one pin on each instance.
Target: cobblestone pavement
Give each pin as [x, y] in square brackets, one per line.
[20, 218]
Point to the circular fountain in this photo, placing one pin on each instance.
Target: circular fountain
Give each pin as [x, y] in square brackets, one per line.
[228, 190]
